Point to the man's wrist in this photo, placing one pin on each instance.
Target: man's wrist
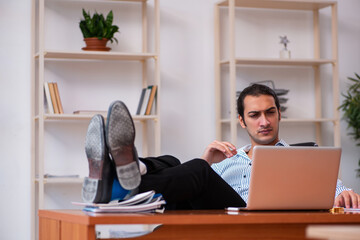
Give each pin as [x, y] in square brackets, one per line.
[206, 160]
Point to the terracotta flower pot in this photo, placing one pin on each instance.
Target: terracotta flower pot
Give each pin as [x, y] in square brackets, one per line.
[95, 44]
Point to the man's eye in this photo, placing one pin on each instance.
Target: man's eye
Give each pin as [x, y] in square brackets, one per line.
[253, 115]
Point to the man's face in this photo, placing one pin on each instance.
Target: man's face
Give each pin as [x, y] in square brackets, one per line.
[261, 120]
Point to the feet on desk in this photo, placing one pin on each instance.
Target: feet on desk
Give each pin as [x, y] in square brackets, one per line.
[120, 137]
[98, 186]
[111, 152]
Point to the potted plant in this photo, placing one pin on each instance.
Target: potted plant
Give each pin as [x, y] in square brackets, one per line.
[351, 108]
[97, 31]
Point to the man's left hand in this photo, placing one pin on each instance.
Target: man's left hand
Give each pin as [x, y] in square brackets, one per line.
[348, 199]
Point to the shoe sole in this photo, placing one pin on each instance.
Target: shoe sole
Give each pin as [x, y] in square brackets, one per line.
[120, 137]
[97, 187]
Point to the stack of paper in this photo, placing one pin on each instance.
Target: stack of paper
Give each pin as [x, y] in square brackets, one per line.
[142, 202]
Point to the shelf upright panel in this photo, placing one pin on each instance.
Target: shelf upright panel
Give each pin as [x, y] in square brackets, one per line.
[145, 82]
[40, 131]
[32, 219]
[232, 66]
[217, 68]
[144, 20]
[38, 122]
[317, 80]
[157, 77]
[336, 90]
[230, 4]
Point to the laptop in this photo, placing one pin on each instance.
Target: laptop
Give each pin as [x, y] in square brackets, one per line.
[293, 178]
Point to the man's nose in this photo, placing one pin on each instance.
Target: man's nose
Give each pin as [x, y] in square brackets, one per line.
[264, 121]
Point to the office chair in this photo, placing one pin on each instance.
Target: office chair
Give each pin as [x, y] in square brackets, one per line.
[304, 144]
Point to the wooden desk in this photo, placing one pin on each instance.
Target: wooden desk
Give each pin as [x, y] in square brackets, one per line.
[215, 224]
[334, 232]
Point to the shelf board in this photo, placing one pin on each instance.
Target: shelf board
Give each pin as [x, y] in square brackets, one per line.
[280, 62]
[61, 180]
[295, 120]
[64, 117]
[310, 120]
[95, 55]
[281, 4]
[100, 1]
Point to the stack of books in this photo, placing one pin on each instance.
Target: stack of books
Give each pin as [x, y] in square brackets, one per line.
[142, 202]
[52, 99]
[147, 99]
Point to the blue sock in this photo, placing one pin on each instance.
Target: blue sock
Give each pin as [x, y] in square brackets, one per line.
[118, 193]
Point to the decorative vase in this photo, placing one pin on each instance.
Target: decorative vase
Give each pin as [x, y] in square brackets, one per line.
[95, 44]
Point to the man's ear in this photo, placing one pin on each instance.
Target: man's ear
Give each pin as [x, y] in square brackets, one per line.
[242, 122]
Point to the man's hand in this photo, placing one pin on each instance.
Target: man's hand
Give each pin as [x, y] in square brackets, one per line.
[217, 151]
[348, 199]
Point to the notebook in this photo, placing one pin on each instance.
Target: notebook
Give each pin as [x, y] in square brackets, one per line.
[293, 178]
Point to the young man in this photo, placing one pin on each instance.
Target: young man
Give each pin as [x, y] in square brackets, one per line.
[258, 109]
[193, 184]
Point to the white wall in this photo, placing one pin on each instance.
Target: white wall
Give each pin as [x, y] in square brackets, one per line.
[15, 70]
[187, 94]
[349, 62]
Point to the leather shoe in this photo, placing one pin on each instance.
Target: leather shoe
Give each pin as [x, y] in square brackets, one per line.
[97, 187]
[120, 137]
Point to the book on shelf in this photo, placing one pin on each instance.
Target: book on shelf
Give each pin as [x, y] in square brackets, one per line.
[141, 101]
[58, 100]
[142, 202]
[145, 100]
[53, 100]
[47, 99]
[151, 99]
[53, 97]
[90, 112]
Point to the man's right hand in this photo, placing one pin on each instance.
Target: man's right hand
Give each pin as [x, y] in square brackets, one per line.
[217, 151]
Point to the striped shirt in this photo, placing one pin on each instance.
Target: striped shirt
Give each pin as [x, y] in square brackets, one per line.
[236, 171]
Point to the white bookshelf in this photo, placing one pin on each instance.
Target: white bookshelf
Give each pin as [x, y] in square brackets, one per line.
[232, 63]
[44, 57]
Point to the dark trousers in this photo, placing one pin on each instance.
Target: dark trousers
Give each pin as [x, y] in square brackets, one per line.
[191, 185]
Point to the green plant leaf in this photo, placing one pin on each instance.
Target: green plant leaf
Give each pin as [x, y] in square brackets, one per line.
[88, 22]
[351, 110]
[86, 15]
[353, 79]
[84, 30]
[357, 76]
[109, 18]
[100, 30]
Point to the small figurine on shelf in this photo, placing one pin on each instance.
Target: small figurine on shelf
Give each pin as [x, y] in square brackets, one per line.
[284, 53]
